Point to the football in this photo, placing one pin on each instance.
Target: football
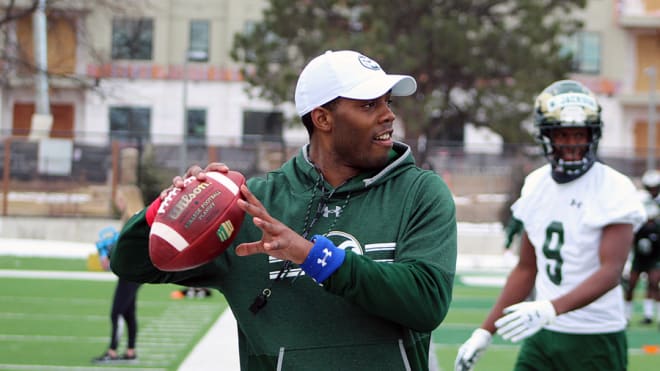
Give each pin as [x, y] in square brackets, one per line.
[196, 223]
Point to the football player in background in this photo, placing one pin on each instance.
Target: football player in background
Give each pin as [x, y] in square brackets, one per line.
[646, 253]
[578, 217]
[651, 183]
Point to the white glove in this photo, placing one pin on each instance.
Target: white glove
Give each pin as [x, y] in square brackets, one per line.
[470, 352]
[525, 319]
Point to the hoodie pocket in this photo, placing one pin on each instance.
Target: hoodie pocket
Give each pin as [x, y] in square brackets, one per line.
[375, 356]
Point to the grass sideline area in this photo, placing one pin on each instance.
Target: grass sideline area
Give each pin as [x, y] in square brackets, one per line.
[60, 324]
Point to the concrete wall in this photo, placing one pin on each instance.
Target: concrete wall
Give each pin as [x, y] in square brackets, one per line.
[75, 237]
[54, 229]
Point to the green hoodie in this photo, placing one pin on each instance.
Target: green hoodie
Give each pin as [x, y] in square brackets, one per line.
[375, 312]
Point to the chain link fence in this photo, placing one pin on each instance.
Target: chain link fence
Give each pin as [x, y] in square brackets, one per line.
[63, 178]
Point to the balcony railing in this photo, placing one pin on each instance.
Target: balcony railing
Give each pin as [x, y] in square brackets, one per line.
[638, 14]
[150, 71]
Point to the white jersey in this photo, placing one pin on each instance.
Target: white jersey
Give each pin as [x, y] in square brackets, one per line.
[564, 223]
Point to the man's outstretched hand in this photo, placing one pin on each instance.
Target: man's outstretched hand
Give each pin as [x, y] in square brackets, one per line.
[277, 239]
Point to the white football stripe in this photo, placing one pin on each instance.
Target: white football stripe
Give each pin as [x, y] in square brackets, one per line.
[224, 180]
[170, 235]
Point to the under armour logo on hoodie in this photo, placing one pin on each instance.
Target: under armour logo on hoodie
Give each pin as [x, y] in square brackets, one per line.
[327, 212]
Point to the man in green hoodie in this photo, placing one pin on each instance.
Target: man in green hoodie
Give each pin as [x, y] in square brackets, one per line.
[346, 257]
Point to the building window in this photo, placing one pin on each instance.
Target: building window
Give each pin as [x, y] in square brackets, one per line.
[585, 48]
[249, 28]
[132, 38]
[196, 128]
[199, 41]
[262, 125]
[130, 123]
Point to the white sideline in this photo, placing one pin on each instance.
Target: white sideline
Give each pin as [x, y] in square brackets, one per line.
[218, 349]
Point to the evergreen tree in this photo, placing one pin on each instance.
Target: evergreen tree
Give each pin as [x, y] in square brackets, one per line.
[479, 61]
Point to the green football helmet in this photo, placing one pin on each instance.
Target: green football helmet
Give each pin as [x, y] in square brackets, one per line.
[567, 104]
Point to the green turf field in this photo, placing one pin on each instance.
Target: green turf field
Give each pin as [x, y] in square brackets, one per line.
[60, 324]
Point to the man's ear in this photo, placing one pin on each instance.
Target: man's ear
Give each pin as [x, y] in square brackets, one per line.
[322, 119]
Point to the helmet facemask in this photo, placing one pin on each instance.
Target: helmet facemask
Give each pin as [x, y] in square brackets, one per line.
[563, 170]
[567, 104]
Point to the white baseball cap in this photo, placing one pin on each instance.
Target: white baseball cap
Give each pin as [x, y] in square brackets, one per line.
[346, 74]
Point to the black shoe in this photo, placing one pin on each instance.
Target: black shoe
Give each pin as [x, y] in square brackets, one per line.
[202, 293]
[126, 357]
[106, 357]
[647, 321]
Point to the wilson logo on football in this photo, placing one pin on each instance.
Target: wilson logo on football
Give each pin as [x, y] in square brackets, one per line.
[185, 200]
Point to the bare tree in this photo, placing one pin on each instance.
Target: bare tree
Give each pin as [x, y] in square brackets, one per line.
[16, 54]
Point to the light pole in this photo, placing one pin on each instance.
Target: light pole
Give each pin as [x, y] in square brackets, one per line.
[195, 56]
[650, 159]
[42, 120]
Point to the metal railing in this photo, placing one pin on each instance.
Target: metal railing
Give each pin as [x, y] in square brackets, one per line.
[81, 179]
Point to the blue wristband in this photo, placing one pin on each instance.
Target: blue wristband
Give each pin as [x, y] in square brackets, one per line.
[323, 260]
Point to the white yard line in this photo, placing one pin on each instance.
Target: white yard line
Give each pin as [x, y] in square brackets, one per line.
[58, 275]
[490, 281]
[73, 368]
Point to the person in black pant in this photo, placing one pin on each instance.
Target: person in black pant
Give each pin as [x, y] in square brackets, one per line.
[128, 201]
[123, 305]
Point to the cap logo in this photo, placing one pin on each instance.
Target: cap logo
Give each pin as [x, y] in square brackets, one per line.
[368, 63]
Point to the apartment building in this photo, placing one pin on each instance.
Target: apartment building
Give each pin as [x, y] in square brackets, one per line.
[619, 43]
[141, 69]
[640, 22]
